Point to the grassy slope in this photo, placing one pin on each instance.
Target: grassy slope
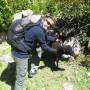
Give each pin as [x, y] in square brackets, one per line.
[46, 79]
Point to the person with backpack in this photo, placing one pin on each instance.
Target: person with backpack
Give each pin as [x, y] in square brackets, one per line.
[33, 36]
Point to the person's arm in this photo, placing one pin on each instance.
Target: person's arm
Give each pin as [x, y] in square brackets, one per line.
[51, 38]
[40, 35]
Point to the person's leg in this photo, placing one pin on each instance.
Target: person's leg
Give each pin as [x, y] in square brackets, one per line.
[21, 70]
[34, 63]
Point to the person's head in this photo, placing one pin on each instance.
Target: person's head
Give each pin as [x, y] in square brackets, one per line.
[47, 22]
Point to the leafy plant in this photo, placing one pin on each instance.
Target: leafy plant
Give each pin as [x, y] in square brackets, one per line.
[5, 15]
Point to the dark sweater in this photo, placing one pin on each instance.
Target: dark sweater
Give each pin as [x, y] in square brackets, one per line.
[33, 36]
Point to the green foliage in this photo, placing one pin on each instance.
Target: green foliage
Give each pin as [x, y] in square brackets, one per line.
[46, 79]
[18, 5]
[87, 62]
[87, 6]
[5, 15]
[71, 8]
[82, 80]
[5, 49]
[67, 9]
[3, 86]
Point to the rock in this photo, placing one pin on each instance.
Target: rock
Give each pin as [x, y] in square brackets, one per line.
[5, 59]
[88, 46]
[88, 73]
[68, 86]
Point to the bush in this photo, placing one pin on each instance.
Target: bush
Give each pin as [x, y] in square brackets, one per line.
[57, 8]
[5, 15]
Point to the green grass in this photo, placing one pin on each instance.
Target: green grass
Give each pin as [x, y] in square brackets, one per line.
[46, 79]
[82, 81]
[4, 49]
[4, 86]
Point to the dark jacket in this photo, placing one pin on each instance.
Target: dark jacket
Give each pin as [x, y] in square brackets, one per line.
[33, 36]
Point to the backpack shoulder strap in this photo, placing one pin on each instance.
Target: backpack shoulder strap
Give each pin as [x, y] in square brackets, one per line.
[30, 26]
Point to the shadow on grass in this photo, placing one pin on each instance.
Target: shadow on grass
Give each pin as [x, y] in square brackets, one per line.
[8, 75]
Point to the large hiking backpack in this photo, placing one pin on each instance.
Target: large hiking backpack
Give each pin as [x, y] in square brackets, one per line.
[15, 36]
[23, 13]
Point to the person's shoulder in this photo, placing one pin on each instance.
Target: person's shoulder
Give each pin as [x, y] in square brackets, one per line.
[37, 28]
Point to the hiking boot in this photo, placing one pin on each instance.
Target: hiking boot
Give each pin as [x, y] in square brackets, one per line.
[33, 71]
